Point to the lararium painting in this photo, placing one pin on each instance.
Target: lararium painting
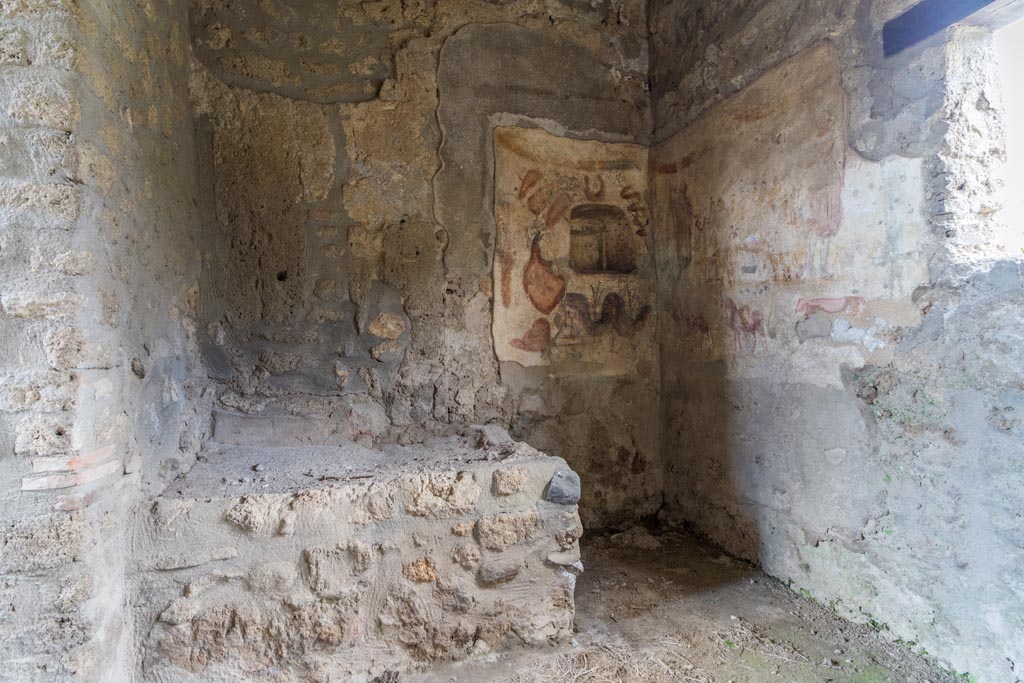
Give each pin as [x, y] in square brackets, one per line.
[573, 260]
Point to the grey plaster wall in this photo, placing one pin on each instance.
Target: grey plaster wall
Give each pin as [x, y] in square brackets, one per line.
[865, 447]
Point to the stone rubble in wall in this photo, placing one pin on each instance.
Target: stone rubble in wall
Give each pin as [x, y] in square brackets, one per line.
[422, 563]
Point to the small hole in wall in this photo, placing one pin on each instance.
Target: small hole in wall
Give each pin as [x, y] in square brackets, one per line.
[59, 431]
[600, 240]
[282, 275]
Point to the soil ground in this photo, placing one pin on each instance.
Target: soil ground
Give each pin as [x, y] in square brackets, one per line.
[668, 608]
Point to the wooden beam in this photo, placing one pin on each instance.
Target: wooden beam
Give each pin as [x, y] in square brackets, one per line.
[929, 17]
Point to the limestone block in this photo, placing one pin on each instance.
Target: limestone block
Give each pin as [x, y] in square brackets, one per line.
[568, 536]
[503, 531]
[361, 554]
[180, 611]
[253, 513]
[364, 416]
[453, 597]
[508, 481]
[254, 634]
[272, 577]
[462, 528]
[58, 205]
[33, 9]
[387, 326]
[467, 556]
[492, 436]
[74, 262]
[64, 347]
[12, 46]
[330, 570]
[364, 503]
[442, 494]
[41, 391]
[384, 350]
[421, 570]
[41, 543]
[43, 103]
[495, 572]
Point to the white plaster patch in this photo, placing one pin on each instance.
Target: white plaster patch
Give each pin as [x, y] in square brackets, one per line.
[873, 338]
[880, 248]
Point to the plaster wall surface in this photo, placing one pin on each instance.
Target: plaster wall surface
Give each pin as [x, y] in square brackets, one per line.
[840, 350]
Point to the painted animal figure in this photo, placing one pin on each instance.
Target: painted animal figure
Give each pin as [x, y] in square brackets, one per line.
[847, 304]
[745, 322]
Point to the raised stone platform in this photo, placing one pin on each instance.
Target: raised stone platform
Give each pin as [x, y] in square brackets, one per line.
[344, 563]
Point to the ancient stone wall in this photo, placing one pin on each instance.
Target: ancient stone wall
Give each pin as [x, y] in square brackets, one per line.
[841, 355]
[346, 155]
[98, 290]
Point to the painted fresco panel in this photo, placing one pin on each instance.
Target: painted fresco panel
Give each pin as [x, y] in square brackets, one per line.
[572, 268]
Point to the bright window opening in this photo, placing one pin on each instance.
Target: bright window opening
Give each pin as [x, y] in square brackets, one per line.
[1010, 52]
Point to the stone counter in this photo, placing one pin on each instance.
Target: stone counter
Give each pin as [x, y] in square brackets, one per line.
[343, 563]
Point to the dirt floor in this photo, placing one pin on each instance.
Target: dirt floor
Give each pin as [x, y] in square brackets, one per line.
[654, 609]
